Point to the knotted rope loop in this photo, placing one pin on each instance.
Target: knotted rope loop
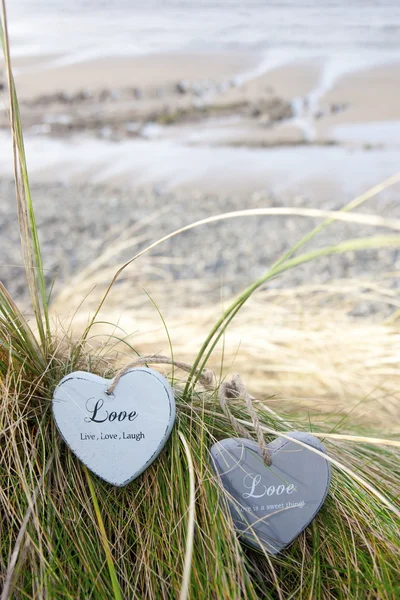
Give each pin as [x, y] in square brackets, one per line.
[236, 389]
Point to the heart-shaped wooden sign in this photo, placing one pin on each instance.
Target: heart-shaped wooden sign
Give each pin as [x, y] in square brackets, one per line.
[272, 505]
[118, 435]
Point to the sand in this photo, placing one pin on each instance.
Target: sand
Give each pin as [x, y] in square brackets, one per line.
[295, 79]
[371, 96]
[149, 72]
[182, 120]
[92, 96]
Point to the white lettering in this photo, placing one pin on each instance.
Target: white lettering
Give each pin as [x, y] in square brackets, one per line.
[254, 481]
[259, 490]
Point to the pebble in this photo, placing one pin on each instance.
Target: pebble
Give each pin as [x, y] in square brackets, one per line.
[339, 107]
[77, 222]
[104, 95]
[65, 97]
[83, 95]
[183, 87]
[137, 93]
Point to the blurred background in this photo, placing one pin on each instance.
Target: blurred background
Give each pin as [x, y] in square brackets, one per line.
[177, 110]
[142, 117]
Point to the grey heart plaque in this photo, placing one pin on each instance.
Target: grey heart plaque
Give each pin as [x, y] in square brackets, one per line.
[271, 506]
[119, 435]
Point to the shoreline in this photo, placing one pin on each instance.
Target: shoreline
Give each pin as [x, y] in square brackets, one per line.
[182, 120]
[319, 173]
[148, 70]
[115, 98]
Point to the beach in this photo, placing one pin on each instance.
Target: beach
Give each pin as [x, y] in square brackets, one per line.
[204, 110]
[192, 130]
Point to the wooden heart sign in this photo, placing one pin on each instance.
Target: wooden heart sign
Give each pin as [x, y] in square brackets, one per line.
[118, 435]
[272, 505]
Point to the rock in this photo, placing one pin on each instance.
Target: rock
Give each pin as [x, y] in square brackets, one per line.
[104, 95]
[85, 94]
[64, 97]
[256, 112]
[280, 109]
[137, 93]
[183, 87]
[339, 107]
[275, 109]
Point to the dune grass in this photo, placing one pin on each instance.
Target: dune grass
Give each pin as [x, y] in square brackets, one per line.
[81, 530]
[66, 534]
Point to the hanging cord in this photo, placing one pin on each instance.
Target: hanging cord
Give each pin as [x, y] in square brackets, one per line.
[236, 389]
[206, 377]
[228, 390]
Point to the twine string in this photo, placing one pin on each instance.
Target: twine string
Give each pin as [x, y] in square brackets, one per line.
[228, 390]
[206, 377]
[236, 389]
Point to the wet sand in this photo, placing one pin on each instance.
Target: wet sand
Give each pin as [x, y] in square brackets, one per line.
[50, 75]
[226, 98]
[215, 122]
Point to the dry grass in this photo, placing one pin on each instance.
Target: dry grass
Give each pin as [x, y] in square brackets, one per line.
[62, 528]
[302, 348]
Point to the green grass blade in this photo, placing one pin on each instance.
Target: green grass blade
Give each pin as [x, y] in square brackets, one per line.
[104, 540]
[28, 228]
[220, 327]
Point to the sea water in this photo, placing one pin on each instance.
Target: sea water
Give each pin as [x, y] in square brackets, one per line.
[352, 32]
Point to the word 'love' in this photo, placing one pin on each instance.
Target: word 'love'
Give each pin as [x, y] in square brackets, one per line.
[97, 413]
[259, 490]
